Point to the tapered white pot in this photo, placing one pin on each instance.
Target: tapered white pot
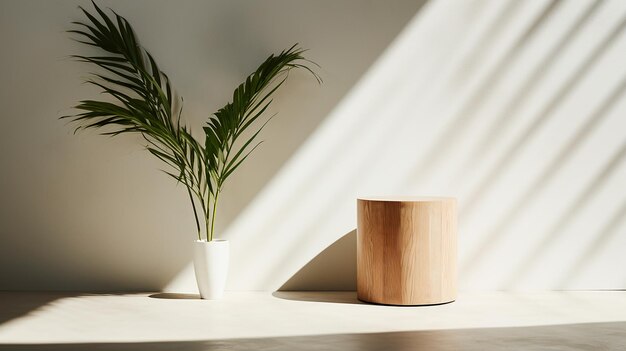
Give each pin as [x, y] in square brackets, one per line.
[210, 262]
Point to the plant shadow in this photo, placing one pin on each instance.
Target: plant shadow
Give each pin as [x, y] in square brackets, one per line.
[175, 296]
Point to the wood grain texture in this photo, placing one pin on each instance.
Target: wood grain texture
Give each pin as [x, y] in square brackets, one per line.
[406, 250]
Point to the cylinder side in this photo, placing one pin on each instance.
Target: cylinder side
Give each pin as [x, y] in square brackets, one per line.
[406, 251]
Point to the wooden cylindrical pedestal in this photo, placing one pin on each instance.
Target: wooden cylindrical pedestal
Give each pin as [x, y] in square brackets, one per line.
[406, 250]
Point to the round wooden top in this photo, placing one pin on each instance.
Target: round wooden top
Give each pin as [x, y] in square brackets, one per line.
[403, 198]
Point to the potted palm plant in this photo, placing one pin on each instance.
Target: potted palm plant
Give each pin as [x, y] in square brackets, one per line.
[140, 99]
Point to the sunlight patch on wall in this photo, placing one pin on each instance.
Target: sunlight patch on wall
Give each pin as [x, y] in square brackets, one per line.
[516, 108]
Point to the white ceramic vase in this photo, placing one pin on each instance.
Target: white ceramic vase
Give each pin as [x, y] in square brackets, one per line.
[210, 262]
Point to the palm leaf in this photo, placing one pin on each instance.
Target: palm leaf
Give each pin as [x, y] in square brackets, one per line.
[142, 102]
[250, 100]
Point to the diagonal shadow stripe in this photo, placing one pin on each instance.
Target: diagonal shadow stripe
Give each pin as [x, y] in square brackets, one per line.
[387, 92]
[510, 154]
[467, 114]
[605, 235]
[544, 179]
[512, 107]
[338, 196]
[571, 211]
[473, 103]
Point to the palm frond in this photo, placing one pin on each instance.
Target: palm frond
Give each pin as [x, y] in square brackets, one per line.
[142, 95]
[250, 100]
[142, 101]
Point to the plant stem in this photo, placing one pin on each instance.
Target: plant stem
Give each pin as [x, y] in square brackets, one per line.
[207, 219]
[213, 215]
[195, 213]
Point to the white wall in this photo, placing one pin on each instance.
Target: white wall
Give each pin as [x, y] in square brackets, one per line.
[514, 107]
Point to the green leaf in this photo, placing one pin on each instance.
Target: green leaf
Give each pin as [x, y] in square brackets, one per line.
[141, 100]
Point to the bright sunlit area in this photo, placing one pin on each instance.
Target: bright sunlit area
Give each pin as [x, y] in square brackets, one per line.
[313, 175]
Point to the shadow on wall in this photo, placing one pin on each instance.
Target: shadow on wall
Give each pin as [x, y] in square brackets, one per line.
[66, 190]
[333, 269]
[587, 336]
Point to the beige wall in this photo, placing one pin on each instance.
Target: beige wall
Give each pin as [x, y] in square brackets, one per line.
[515, 107]
[85, 212]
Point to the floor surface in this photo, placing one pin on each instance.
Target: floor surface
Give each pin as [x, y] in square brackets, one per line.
[311, 321]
